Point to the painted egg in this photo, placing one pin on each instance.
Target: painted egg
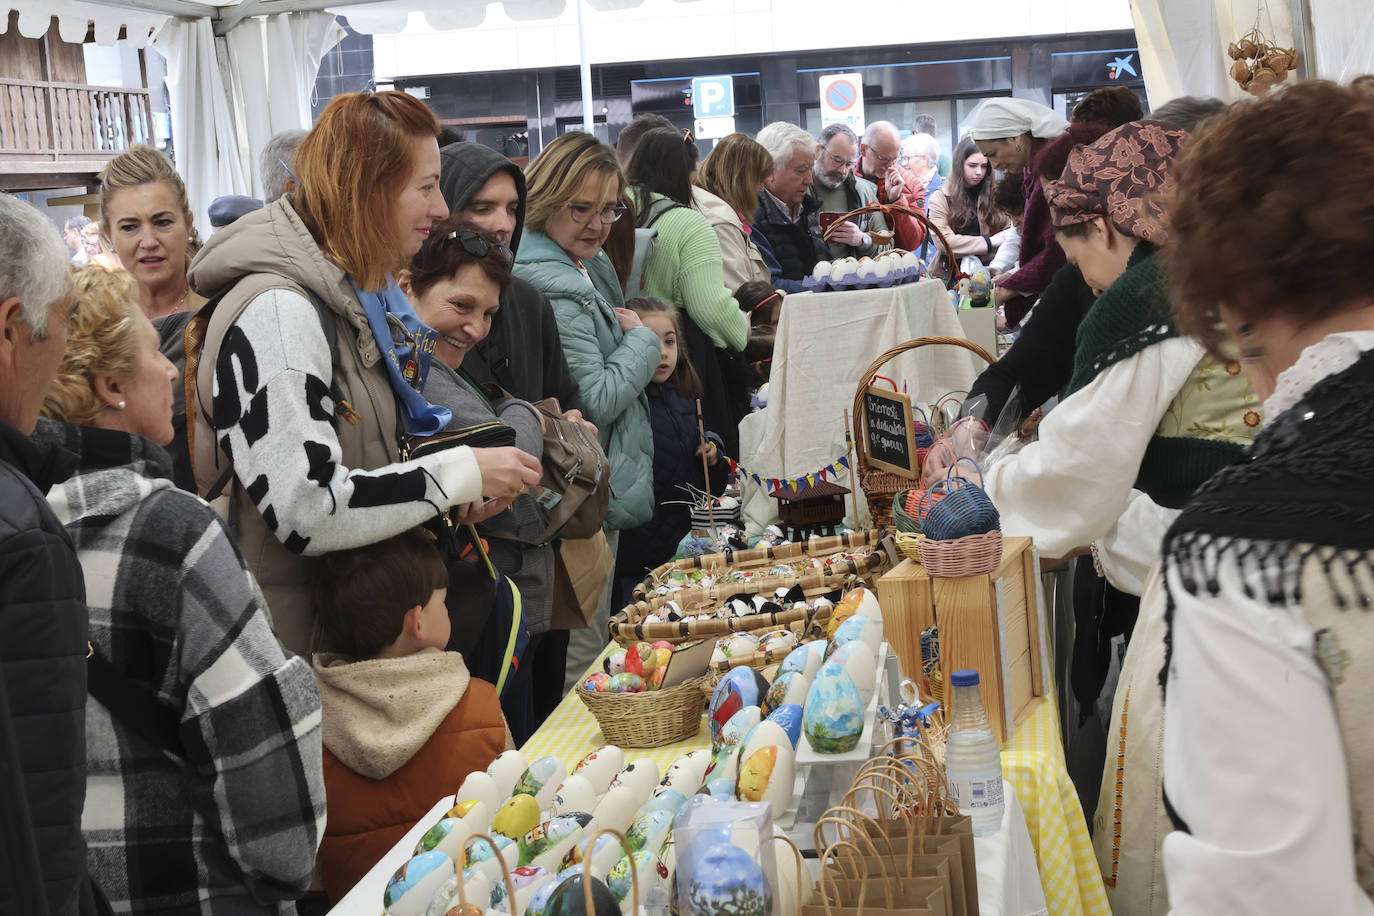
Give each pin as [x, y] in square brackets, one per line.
[739, 725]
[863, 627]
[447, 837]
[739, 688]
[778, 642]
[474, 810]
[604, 855]
[655, 617]
[789, 718]
[686, 772]
[525, 880]
[767, 775]
[788, 687]
[721, 788]
[806, 660]
[857, 661]
[540, 899]
[634, 661]
[596, 682]
[575, 794]
[663, 643]
[662, 655]
[600, 767]
[414, 884]
[569, 899]
[762, 735]
[856, 601]
[447, 901]
[481, 787]
[832, 719]
[541, 780]
[640, 776]
[821, 271]
[551, 839]
[648, 869]
[517, 817]
[617, 808]
[650, 831]
[615, 662]
[625, 682]
[794, 878]
[505, 770]
[656, 679]
[724, 764]
[726, 879]
[480, 856]
[670, 800]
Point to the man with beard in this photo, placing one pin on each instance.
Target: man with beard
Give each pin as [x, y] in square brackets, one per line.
[838, 190]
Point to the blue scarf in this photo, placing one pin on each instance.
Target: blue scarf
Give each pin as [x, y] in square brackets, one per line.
[407, 344]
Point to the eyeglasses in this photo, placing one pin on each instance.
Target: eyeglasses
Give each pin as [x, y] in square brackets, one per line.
[838, 162]
[900, 159]
[479, 247]
[582, 213]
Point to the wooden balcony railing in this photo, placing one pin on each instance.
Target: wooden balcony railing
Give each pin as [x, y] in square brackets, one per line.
[57, 122]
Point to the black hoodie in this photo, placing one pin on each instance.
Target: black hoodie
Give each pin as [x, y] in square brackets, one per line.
[522, 353]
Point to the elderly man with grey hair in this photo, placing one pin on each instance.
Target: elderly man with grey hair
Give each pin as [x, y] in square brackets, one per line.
[275, 164]
[881, 162]
[785, 214]
[837, 190]
[43, 617]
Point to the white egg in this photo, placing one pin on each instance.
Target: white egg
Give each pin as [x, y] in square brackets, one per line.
[840, 270]
[868, 269]
[575, 794]
[505, 770]
[882, 269]
[727, 502]
[616, 809]
[640, 775]
[822, 271]
[480, 786]
[600, 766]
[794, 878]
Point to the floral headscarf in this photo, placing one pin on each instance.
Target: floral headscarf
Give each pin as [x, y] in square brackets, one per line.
[1122, 178]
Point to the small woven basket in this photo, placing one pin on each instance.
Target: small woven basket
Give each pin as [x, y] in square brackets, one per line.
[910, 545]
[975, 555]
[650, 719]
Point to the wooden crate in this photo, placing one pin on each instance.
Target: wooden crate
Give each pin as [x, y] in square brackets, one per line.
[994, 623]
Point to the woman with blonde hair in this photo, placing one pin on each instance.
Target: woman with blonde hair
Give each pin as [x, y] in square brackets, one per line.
[729, 183]
[145, 215]
[574, 192]
[314, 360]
[219, 768]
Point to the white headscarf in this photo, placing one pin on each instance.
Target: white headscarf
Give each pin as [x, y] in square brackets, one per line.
[997, 119]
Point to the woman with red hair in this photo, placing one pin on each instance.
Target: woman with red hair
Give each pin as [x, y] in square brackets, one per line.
[314, 360]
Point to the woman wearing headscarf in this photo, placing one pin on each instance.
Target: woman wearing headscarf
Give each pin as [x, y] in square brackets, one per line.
[1148, 417]
[1010, 133]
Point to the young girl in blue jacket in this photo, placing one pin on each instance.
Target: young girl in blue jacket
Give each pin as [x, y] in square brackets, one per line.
[678, 447]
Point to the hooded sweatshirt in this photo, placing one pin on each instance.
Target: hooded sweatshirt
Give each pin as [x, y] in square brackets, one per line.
[398, 732]
[522, 352]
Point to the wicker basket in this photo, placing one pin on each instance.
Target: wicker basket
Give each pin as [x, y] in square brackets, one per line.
[881, 486]
[887, 210]
[975, 555]
[910, 545]
[759, 557]
[650, 719]
[699, 606]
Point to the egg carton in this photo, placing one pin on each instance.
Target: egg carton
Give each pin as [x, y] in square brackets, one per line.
[858, 279]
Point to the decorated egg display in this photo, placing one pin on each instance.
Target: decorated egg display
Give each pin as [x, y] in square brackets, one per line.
[479, 856]
[788, 687]
[600, 766]
[652, 873]
[726, 879]
[617, 808]
[546, 844]
[763, 734]
[650, 831]
[805, 660]
[481, 787]
[686, 772]
[721, 788]
[541, 780]
[473, 811]
[603, 857]
[539, 901]
[640, 775]
[505, 770]
[640, 659]
[739, 725]
[767, 775]
[856, 601]
[568, 899]
[615, 662]
[524, 880]
[412, 887]
[778, 642]
[669, 800]
[656, 679]
[740, 687]
[857, 661]
[517, 817]
[724, 763]
[447, 837]
[625, 682]
[575, 794]
[596, 681]
[832, 719]
[862, 627]
[789, 717]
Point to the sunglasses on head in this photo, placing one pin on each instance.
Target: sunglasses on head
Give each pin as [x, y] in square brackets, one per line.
[479, 247]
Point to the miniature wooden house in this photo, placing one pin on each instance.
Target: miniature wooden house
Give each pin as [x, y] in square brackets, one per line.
[811, 509]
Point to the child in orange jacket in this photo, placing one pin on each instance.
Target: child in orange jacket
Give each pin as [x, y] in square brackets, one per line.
[403, 721]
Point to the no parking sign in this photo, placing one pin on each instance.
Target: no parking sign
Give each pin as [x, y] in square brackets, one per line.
[842, 100]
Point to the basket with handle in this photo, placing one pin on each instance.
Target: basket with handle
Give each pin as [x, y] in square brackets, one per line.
[881, 486]
[887, 210]
[758, 558]
[650, 719]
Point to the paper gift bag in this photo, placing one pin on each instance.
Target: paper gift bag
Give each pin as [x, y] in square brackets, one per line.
[851, 886]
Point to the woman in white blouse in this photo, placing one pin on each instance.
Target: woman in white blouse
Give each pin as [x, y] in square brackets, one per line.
[1268, 731]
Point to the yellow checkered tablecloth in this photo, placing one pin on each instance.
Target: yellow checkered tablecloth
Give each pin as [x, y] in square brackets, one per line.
[1033, 763]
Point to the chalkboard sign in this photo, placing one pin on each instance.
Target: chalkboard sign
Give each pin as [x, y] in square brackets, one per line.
[891, 433]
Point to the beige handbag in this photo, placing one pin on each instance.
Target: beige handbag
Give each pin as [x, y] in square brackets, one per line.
[582, 569]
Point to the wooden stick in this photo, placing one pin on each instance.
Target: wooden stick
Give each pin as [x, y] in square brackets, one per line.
[853, 469]
[706, 473]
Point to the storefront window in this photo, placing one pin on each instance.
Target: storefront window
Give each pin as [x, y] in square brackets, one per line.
[951, 117]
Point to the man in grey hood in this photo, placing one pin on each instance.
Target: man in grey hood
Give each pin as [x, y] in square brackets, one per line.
[522, 353]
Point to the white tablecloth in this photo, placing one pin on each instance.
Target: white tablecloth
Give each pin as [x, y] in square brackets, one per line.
[824, 342]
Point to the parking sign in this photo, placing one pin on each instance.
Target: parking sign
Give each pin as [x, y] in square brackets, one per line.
[713, 96]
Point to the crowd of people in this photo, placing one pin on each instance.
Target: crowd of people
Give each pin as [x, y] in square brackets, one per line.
[276, 556]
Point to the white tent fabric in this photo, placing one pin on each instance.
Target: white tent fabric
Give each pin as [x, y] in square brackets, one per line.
[203, 135]
[1183, 43]
[74, 18]
[273, 61]
[391, 16]
[1344, 35]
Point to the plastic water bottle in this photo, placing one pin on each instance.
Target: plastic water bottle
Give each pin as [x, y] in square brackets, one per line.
[973, 763]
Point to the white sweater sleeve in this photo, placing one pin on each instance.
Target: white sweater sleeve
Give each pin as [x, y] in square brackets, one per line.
[1253, 760]
[1069, 488]
[1128, 552]
[274, 418]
